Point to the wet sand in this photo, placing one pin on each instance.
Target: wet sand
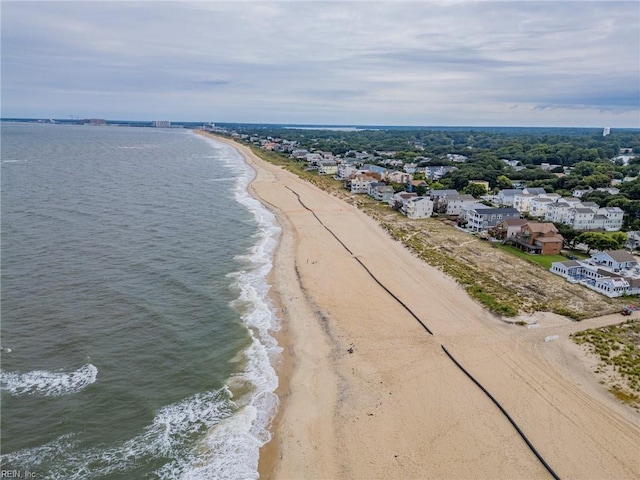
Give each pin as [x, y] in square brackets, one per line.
[368, 393]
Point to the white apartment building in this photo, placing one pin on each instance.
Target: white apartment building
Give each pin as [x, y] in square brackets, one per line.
[455, 203]
[614, 218]
[345, 170]
[557, 212]
[522, 202]
[418, 207]
[507, 196]
[539, 206]
[360, 183]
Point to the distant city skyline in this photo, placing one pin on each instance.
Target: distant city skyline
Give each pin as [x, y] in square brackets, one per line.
[458, 63]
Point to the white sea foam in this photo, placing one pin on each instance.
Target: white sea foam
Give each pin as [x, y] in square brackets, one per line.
[223, 179]
[169, 436]
[208, 435]
[42, 382]
[232, 447]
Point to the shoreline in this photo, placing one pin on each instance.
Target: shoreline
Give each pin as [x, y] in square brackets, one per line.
[363, 398]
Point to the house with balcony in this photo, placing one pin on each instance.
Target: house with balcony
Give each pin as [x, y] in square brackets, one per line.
[539, 206]
[616, 260]
[381, 192]
[522, 202]
[418, 207]
[506, 197]
[327, 167]
[359, 182]
[345, 169]
[453, 205]
[439, 199]
[558, 212]
[397, 177]
[399, 200]
[507, 229]
[483, 218]
[581, 218]
[614, 218]
[538, 238]
[299, 153]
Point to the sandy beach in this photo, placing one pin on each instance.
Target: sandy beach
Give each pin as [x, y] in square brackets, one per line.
[367, 392]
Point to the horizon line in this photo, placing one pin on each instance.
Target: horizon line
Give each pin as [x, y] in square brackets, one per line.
[307, 125]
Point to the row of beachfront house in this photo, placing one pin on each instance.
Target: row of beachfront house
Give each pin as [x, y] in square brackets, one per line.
[476, 216]
[612, 273]
[534, 202]
[551, 207]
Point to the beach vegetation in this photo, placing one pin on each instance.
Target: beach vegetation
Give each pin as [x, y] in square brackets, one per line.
[504, 281]
[617, 348]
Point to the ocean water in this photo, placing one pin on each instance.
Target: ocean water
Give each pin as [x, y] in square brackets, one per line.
[136, 324]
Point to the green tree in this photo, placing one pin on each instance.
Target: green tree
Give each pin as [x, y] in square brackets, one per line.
[569, 235]
[503, 182]
[598, 180]
[620, 238]
[597, 241]
[398, 187]
[475, 189]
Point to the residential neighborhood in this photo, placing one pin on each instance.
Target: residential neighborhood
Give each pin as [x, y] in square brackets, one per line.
[535, 216]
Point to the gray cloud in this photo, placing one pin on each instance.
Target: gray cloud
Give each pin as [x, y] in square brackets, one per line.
[398, 62]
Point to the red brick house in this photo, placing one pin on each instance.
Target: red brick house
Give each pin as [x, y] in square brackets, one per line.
[539, 238]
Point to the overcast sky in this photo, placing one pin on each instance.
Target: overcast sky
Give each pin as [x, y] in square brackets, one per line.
[519, 63]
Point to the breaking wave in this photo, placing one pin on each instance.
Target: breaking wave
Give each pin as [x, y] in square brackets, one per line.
[49, 384]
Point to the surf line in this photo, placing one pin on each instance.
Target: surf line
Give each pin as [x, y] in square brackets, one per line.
[478, 384]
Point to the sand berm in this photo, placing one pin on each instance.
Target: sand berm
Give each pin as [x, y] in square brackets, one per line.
[368, 393]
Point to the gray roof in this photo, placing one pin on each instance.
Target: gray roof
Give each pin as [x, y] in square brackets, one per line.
[571, 263]
[621, 256]
[443, 192]
[466, 197]
[494, 211]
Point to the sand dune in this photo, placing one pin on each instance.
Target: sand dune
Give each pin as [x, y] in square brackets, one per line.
[369, 393]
